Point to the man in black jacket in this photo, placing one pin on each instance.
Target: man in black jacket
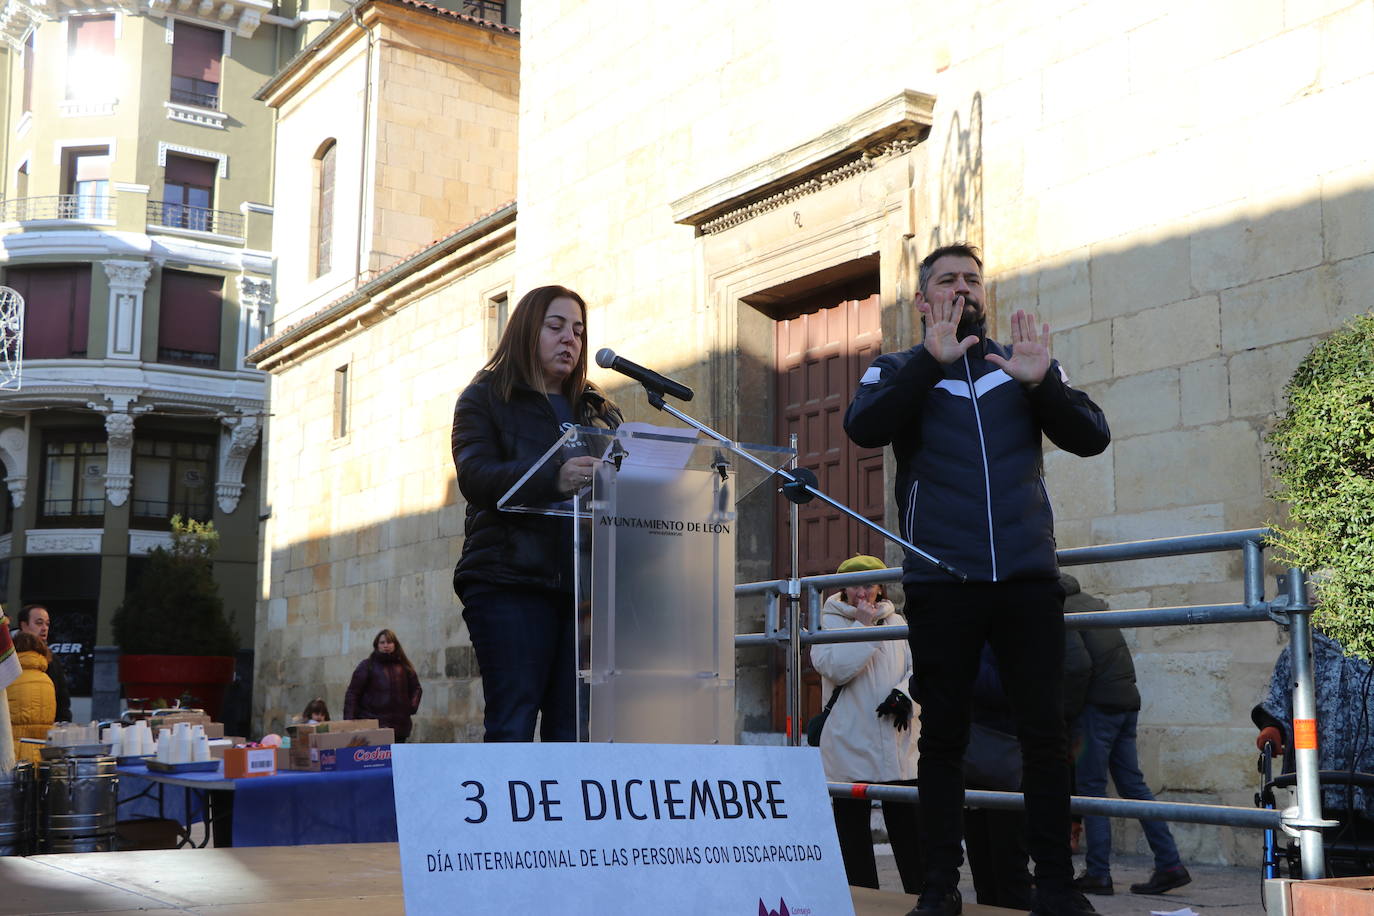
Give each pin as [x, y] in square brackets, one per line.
[1108, 727]
[965, 417]
[34, 619]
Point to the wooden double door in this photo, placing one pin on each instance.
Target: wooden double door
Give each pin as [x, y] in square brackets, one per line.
[824, 343]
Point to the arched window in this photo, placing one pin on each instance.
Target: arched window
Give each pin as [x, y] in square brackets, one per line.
[324, 208]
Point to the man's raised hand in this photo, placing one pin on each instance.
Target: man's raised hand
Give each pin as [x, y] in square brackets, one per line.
[942, 326]
[1030, 350]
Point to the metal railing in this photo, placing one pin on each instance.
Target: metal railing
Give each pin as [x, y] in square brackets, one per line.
[1304, 821]
[200, 93]
[490, 10]
[168, 215]
[57, 206]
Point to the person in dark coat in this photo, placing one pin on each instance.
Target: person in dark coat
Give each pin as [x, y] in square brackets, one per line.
[34, 619]
[966, 417]
[515, 576]
[384, 687]
[1108, 727]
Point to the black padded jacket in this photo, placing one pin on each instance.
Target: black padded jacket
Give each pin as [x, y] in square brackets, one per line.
[967, 442]
[494, 443]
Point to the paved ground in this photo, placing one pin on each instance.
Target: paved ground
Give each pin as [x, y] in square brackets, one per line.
[1216, 889]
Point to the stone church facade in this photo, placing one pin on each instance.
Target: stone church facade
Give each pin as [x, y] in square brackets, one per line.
[1182, 191]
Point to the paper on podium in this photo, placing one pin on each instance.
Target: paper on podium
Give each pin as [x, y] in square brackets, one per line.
[652, 446]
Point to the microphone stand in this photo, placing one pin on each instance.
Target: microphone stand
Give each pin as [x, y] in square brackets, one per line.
[799, 484]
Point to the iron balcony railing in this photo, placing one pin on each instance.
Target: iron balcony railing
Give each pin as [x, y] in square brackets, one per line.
[179, 216]
[200, 93]
[57, 206]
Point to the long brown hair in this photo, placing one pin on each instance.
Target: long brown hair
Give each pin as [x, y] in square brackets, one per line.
[27, 642]
[398, 651]
[516, 360]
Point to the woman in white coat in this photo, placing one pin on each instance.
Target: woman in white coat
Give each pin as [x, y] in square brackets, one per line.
[869, 735]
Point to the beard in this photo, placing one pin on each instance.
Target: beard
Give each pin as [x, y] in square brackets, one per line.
[973, 320]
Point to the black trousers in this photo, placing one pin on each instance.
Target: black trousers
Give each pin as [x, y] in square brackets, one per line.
[996, 845]
[1023, 621]
[524, 643]
[852, 824]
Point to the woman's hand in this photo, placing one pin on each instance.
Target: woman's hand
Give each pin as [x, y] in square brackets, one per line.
[865, 612]
[576, 473]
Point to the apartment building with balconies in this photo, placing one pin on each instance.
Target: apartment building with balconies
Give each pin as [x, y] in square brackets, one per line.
[136, 223]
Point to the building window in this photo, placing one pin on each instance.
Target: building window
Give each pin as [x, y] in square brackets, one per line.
[21, 181]
[324, 209]
[28, 72]
[57, 309]
[73, 479]
[90, 56]
[87, 184]
[172, 477]
[188, 194]
[188, 327]
[498, 315]
[196, 54]
[340, 402]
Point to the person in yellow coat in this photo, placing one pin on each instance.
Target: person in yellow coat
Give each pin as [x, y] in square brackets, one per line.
[33, 700]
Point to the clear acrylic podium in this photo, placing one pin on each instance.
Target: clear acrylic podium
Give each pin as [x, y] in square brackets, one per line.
[654, 547]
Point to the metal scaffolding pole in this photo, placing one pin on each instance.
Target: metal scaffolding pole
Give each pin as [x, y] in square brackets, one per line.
[1182, 812]
[1309, 822]
[803, 595]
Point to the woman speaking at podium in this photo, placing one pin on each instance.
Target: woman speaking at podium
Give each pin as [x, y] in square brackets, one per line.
[515, 576]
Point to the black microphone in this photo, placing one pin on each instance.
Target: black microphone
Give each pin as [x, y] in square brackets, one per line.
[606, 359]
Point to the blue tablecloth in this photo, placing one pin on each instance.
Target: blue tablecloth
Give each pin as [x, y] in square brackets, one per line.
[296, 808]
[145, 805]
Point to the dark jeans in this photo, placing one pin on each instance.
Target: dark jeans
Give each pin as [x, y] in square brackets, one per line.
[1109, 746]
[852, 824]
[524, 642]
[1023, 621]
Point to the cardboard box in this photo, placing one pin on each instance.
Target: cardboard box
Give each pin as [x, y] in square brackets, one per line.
[366, 757]
[321, 728]
[1332, 897]
[305, 755]
[217, 750]
[241, 762]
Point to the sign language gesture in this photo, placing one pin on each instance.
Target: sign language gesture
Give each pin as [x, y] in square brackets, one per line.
[1030, 350]
[942, 325]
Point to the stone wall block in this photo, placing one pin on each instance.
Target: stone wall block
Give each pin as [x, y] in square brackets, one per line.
[1258, 377]
[1140, 526]
[1169, 335]
[1085, 352]
[1065, 293]
[1347, 205]
[1139, 276]
[1279, 309]
[1203, 392]
[1144, 403]
[1355, 283]
[1183, 688]
[1221, 462]
[1285, 238]
[1079, 487]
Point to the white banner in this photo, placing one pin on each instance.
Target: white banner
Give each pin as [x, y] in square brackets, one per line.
[602, 829]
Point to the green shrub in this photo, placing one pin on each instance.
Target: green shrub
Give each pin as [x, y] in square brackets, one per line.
[1322, 450]
[175, 607]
